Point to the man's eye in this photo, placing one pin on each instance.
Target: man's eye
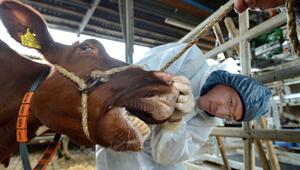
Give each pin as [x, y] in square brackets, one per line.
[85, 47]
[230, 103]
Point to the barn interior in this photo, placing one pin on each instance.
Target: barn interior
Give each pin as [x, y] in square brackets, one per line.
[256, 40]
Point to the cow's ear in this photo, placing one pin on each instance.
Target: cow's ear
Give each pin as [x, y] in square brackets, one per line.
[26, 25]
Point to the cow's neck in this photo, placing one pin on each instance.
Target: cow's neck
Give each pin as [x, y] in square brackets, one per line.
[17, 74]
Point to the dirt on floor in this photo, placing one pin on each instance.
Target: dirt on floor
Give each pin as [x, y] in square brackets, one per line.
[80, 159]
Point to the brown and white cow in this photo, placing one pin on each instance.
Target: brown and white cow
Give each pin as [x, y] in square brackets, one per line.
[57, 103]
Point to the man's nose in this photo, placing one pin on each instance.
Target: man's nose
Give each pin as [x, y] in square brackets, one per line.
[222, 111]
[165, 77]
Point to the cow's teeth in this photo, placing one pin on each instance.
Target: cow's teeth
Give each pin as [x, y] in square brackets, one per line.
[138, 123]
[142, 126]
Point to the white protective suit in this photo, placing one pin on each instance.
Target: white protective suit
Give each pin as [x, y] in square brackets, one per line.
[164, 149]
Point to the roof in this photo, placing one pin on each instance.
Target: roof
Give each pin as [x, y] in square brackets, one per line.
[153, 20]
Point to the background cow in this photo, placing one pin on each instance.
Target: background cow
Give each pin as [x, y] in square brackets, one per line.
[57, 103]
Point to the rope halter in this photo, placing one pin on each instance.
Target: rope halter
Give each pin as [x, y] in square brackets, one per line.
[97, 76]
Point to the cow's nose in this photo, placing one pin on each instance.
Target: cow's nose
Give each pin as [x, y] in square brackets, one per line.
[165, 77]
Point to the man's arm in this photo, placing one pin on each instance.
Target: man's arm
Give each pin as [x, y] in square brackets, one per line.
[170, 147]
[177, 139]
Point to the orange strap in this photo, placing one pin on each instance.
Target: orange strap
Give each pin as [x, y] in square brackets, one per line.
[23, 115]
[47, 156]
[21, 129]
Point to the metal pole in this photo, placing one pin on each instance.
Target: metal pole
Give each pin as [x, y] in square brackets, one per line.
[129, 30]
[88, 16]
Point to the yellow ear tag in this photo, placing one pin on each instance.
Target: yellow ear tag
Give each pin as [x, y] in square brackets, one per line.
[30, 40]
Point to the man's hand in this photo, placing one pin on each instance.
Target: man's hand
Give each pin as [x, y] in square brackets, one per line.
[185, 102]
[241, 5]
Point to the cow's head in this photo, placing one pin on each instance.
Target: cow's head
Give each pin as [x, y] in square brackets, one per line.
[57, 103]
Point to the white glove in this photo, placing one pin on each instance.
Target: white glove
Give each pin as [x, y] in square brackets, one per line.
[185, 102]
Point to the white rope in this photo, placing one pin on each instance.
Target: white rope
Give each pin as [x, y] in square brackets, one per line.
[97, 74]
[85, 114]
[80, 82]
[103, 75]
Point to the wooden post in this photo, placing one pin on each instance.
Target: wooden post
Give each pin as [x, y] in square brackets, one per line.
[232, 30]
[223, 153]
[271, 149]
[245, 57]
[219, 36]
[261, 154]
[254, 32]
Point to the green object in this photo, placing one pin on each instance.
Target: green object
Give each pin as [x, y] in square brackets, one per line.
[269, 44]
[271, 37]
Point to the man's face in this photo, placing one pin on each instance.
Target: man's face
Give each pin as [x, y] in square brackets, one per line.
[222, 101]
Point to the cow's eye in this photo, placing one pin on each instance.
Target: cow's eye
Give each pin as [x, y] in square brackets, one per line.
[85, 47]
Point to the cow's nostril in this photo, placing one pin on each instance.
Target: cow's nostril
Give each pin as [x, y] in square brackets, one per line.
[165, 77]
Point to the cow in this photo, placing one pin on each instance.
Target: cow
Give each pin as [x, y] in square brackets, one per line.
[57, 103]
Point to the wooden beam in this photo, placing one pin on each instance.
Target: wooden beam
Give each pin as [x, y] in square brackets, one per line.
[219, 36]
[279, 72]
[203, 24]
[270, 147]
[261, 154]
[232, 30]
[245, 58]
[233, 164]
[223, 153]
[250, 34]
[263, 134]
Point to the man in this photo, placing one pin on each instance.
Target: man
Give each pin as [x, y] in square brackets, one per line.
[217, 93]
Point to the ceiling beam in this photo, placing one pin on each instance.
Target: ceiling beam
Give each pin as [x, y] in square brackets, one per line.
[165, 11]
[165, 37]
[98, 31]
[88, 15]
[115, 13]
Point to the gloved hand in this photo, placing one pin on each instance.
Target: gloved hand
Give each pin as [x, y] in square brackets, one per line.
[185, 102]
[241, 5]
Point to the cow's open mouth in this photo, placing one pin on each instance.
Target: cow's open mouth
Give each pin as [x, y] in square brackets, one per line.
[138, 124]
[153, 110]
[139, 112]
